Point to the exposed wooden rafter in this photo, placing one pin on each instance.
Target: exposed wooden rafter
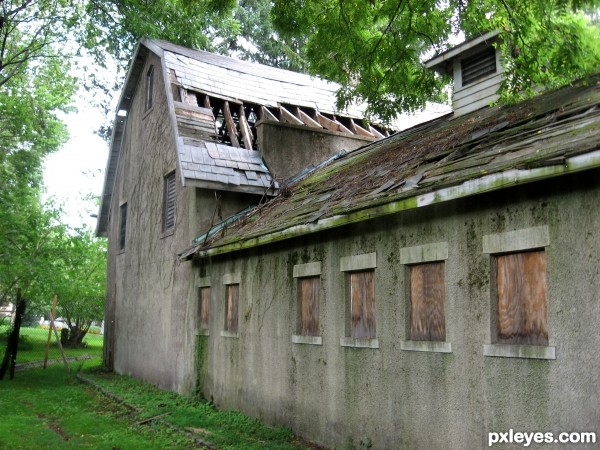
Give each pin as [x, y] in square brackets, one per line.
[357, 129]
[332, 125]
[289, 117]
[231, 131]
[308, 120]
[267, 115]
[245, 128]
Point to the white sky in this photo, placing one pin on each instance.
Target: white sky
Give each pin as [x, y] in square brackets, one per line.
[77, 169]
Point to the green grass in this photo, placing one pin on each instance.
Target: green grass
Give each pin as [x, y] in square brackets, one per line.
[47, 409]
[33, 345]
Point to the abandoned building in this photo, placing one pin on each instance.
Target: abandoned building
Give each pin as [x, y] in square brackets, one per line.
[417, 289]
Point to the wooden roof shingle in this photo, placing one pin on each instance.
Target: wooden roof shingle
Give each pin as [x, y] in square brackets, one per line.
[553, 134]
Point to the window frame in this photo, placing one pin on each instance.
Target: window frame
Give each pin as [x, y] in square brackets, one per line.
[301, 273]
[412, 256]
[512, 242]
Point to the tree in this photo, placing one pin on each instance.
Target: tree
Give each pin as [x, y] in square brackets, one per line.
[34, 88]
[375, 48]
[79, 279]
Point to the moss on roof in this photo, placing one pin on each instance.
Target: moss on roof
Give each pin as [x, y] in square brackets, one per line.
[398, 172]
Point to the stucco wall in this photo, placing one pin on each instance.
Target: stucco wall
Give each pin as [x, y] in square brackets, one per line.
[288, 149]
[147, 288]
[395, 398]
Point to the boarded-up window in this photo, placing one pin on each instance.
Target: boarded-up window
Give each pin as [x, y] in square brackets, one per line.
[308, 294]
[522, 304]
[169, 202]
[149, 87]
[204, 307]
[362, 303]
[427, 298]
[232, 304]
[123, 226]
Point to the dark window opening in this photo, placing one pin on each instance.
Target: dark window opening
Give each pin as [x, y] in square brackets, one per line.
[169, 202]
[478, 66]
[123, 226]
[149, 87]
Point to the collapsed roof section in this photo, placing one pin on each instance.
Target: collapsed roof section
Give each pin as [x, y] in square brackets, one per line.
[554, 134]
[217, 104]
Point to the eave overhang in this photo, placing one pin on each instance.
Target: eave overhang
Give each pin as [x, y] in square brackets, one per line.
[485, 184]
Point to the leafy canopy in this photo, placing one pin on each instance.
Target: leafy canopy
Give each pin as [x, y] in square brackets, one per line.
[375, 48]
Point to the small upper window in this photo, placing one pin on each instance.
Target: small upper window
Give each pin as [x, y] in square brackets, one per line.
[123, 226]
[522, 304]
[169, 202]
[149, 87]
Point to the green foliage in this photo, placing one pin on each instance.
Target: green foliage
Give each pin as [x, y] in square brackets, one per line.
[375, 49]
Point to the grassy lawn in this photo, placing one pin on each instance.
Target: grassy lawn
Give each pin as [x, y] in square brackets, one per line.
[33, 345]
[47, 409]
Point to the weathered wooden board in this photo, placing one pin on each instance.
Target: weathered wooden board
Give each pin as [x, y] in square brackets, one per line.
[204, 307]
[427, 298]
[522, 304]
[233, 301]
[362, 295]
[309, 289]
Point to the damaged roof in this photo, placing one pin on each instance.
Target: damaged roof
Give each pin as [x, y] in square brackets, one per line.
[553, 134]
[215, 102]
[243, 81]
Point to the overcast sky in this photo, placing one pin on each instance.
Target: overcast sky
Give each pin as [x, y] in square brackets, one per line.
[77, 169]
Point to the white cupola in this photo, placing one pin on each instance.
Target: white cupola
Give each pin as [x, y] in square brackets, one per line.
[477, 70]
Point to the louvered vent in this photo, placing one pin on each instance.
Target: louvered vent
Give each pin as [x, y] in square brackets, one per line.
[478, 66]
[169, 212]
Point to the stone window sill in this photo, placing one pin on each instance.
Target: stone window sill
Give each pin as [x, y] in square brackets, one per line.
[311, 340]
[426, 346]
[202, 333]
[520, 351]
[169, 232]
[359, 343]
[230, 334]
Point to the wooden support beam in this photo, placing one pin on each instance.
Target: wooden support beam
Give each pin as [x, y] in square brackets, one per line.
[267, 115]
[308, 120]
[206, 101]
[375, 133]
[357, 129]
[231, 130]
[245, 128]
[342, 128]
[332, 125]
[289, 117]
